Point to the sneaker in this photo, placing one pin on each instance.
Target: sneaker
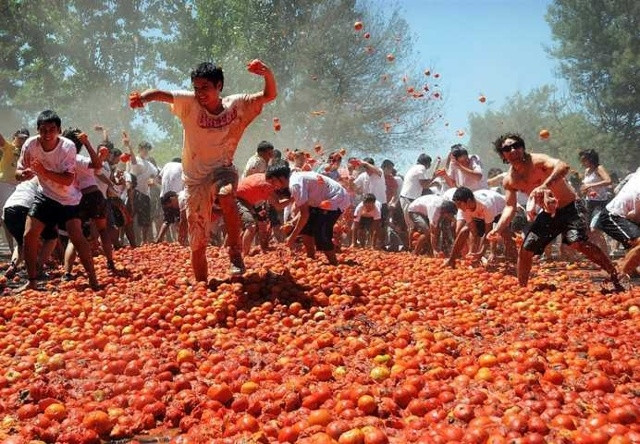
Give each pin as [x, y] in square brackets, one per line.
[237, 264]
[68, 277]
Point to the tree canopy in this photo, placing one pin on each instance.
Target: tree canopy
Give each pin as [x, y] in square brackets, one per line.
[598, 46]
[338, 86]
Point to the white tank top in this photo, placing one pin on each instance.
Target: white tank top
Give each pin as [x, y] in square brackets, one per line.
[600, 192]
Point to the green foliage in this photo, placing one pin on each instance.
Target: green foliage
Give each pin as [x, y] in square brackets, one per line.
[336, 88]
[598, 46]
[570, 131]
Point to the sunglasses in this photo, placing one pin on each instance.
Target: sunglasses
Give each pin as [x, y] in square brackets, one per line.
[509, 148]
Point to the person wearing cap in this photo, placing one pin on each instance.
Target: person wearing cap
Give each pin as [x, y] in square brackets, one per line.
[9, 154]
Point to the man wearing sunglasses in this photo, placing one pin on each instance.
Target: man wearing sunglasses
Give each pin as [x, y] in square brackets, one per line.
[538, 175]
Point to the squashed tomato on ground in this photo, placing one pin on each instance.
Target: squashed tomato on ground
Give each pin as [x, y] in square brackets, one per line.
[382, 348]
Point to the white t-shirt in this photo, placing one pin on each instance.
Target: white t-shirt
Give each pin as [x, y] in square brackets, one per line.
[171, 178]
[411, 187]
[85, 175]
[463, 179]
[489, 204]
[361, 211]
[182, 200]
[106, 172]
[313, 189]
[374, 184]
[210, 141]
[62, 159]
[143, 170]
[23, 195]
[255, 165]
[628, 198]
[429, 206]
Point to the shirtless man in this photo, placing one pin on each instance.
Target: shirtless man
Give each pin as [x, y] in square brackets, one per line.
[538, 175]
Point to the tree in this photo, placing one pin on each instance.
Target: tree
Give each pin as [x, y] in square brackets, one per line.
[571, 131]
[336, 87]
[598, 46]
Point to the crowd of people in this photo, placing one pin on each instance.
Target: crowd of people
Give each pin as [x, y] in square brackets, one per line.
[59, 200]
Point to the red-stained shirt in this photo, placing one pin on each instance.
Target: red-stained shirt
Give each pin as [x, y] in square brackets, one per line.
[392, 187]
[254, 189]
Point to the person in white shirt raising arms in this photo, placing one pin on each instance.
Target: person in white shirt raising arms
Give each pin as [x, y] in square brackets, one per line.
[213, 126]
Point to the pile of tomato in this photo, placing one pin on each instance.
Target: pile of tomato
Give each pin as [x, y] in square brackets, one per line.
[385, 347]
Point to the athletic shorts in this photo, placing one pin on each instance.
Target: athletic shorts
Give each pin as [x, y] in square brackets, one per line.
[93, 205]
[200, 197]
[142, 209]
[121, 215]
[619, 228]
[480, 225]
[249, 215]
[420, 222]
[365, 223]
[320, 227]
[570, 221]
[15, 219]
[51, 212]
[170, 215]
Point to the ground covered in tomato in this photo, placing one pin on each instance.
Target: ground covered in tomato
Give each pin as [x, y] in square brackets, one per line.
[382, 348]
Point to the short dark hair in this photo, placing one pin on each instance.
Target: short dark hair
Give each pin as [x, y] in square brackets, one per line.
[265, 146]
[463, 194]
[448, 207]
[459, 152]
[278, 169]
[72, 135]
[277, 154]
[208, 71]
[164, 199]
[497, 144]
[144, 145]
[116, 152]
[49, 116]
[369, 160]
[108, 144]
[369, 197]
[424, 159]
[176, 159]
[591, 155]
[456, 146]
[386, 163]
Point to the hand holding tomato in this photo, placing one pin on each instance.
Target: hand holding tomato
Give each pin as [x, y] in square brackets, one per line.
[257, 66]
[135, 100]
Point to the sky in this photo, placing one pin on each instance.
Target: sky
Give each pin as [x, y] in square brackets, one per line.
[490, 47]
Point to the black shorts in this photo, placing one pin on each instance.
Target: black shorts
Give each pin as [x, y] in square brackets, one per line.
[570, 221]
[15, 219]
[366, 223]
[275, 216]
[420, 222]
[480, 225]
[320, 227]
[621, 229]
[121, 215]
[170, 215]
[52, 213]
[142, 209]
[93, 205]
